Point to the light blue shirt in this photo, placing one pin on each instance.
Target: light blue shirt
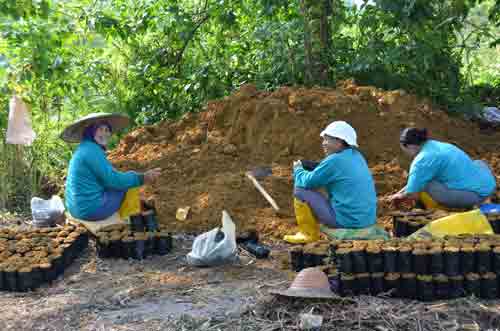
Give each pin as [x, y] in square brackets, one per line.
[349, 184]
[450, 166]
[89, 175]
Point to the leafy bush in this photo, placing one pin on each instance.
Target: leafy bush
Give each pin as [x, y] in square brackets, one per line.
[159, 59]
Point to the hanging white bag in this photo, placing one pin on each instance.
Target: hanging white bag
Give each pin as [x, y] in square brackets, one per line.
[19, 131]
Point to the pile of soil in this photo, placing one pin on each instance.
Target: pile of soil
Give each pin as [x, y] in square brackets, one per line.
[204, 156]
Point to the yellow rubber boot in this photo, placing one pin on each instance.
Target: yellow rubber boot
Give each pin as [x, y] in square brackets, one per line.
[428, 202]
[307, 223]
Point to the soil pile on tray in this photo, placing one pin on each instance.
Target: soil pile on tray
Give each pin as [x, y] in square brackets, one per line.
[204, 156]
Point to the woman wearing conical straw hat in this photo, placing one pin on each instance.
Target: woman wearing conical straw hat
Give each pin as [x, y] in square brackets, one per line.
[94, 189]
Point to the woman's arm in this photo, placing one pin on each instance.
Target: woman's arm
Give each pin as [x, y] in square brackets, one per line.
[108, 176]
[320, 176]
[422, 171]
[402, 196]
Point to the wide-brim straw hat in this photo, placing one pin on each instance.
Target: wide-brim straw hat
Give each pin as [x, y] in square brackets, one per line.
[309, 283]
[74, 132]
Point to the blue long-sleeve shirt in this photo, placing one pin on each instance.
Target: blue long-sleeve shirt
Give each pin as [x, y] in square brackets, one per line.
[89, 175]
[350, 186]
[450, 166]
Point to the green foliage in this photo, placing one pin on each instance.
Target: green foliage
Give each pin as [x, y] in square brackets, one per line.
[494, 16]
[410, 45]
[480, 62]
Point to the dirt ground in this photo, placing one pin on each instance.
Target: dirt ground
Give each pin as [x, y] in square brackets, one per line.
[153, 294]
[164, 293]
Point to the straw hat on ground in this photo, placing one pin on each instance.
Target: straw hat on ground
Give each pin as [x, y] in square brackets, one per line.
[309, 283]
[74, 132]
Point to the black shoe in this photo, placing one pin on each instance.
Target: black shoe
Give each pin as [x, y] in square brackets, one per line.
[420, 205]
[258, 250]
[137, 223]
[247, 236]
[150, 220]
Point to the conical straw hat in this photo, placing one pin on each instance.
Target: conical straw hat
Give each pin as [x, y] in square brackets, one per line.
[74, 132]
[309, 283]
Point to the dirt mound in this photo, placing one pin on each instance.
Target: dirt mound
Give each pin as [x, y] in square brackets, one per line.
[204, 156]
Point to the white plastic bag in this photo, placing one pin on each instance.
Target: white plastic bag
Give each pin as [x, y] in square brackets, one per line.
[215, 247]
[491, 114]
[46, 212]
[19, 131]
[310, 321]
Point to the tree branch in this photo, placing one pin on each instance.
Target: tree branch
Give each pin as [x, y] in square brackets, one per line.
[178, 58]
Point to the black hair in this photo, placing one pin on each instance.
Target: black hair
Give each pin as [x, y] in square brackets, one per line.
[413, 136]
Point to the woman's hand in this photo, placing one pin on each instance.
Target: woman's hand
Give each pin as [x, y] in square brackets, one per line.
[401, 197]
[397, 198]
[152, 175]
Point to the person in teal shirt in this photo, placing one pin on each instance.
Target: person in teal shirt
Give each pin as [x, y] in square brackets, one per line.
[444, 172]
[351, 200]
[94, 189]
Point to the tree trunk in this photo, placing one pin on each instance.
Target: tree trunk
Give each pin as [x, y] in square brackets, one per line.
[317, 40]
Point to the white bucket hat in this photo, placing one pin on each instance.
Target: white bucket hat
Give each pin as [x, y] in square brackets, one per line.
[74, 132]
[341, 130]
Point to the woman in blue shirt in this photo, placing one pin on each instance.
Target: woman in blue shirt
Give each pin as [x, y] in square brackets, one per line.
[344, 173]
[444, 172]
[94, 189]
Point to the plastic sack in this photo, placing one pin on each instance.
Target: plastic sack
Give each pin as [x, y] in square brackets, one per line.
[46, 212]
[215, 247]
[19, 131]
[471, 222]
[491, 114]
[489, 208]
[131, 204]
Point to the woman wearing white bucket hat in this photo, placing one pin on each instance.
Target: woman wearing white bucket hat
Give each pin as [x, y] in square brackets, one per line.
[94, 189]
[344, 173]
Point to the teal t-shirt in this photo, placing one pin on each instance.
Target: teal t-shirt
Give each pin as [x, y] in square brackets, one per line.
[349, 183]
[89, 175]
[450, 166]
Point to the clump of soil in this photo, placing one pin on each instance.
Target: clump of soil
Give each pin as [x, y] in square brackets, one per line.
[204, 156]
